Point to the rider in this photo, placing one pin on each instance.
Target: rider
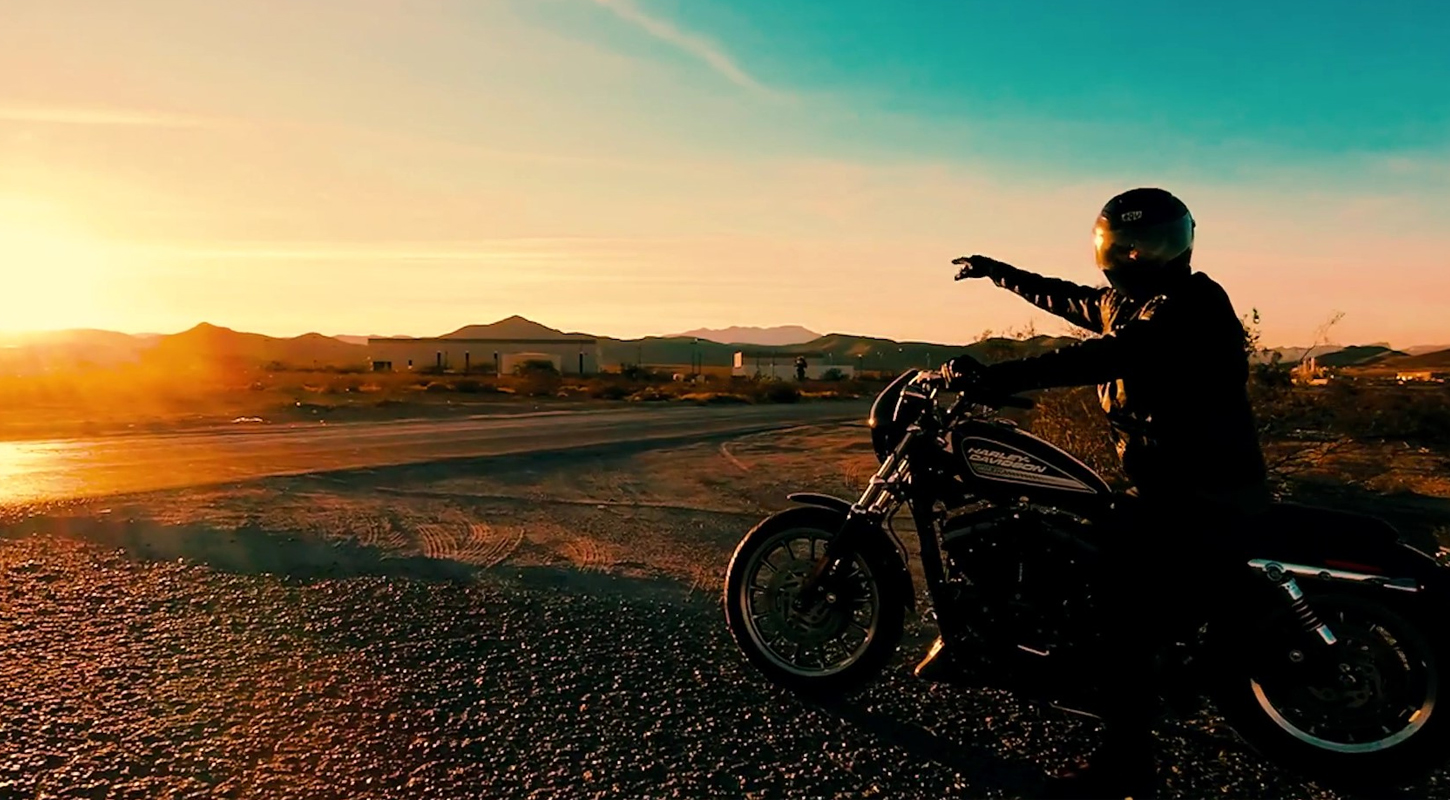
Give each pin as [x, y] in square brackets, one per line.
[1171, 368]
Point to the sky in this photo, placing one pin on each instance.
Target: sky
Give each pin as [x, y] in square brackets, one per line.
[634, 167]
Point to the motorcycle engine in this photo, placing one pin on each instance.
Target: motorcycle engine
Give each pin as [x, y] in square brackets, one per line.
[1020, 580]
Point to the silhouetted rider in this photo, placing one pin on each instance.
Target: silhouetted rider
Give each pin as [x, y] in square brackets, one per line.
[1171, 369]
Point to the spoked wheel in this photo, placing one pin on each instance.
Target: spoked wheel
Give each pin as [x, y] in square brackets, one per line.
[1364, 710]
[831, 645]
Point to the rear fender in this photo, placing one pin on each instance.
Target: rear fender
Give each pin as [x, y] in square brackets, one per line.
[1347, 542]
[877, 542]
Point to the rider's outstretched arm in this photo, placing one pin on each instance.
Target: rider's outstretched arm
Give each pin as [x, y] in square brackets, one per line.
[1143, 341]
[1078, 304]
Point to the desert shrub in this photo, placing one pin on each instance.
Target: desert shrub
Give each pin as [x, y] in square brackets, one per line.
[534, 367]
[781, 392]
[833, 375]
[649, 394]
[635, 372]
[436, 387]
[1414, 415]
[716, 398]
[539, 385]
[609, 391]
[1349, 408]
[1073, 419]
[470, 386]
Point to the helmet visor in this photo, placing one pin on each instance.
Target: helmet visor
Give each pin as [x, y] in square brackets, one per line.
[1143, 246]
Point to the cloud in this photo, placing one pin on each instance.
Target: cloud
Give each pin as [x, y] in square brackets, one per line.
[697, 46]
[101, 116]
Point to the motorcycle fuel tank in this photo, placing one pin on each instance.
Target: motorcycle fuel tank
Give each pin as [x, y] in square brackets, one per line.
[1000, 456]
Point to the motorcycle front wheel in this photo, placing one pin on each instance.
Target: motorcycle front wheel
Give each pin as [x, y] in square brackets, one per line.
[1369, 711]
[832, 647]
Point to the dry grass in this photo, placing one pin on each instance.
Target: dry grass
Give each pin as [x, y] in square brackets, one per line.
[1303, 428]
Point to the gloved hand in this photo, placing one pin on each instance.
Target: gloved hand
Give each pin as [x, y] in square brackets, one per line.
[963, 372]
[977, 267]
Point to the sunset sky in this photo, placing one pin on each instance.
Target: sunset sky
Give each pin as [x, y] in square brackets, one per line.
[631, 167]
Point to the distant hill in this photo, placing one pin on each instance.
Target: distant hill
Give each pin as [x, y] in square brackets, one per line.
[49, 351]
[208, 345]
[775, 337]
[514, 327]
[863, 352]
[1293, 355]
[1422, 349]
[1439, 359]
[1356, 356]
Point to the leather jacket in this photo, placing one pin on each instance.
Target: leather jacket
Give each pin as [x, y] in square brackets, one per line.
[1172, 375]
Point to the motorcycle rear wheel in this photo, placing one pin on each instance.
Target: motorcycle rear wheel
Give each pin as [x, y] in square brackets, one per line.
[1370, 711]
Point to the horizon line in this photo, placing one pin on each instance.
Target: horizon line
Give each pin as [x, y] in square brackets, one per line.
[14, 333]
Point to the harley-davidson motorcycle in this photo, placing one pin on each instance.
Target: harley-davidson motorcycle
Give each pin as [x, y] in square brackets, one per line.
[1334, 671]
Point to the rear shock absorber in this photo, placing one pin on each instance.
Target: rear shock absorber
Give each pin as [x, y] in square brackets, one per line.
[1300, 606]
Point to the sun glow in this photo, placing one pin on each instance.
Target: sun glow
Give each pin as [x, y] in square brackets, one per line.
[54, 275]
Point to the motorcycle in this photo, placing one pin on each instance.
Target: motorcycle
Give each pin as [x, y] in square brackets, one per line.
[1334, 671]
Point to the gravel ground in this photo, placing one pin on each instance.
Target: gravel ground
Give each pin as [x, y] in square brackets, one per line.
[129, 678]
[531, 627]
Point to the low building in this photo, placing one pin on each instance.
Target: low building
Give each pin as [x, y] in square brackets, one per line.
[781, 365]
[1419, 375]
[570, 356]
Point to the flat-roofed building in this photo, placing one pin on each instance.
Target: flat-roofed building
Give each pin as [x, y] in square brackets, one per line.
[781, 364]
[569, 355]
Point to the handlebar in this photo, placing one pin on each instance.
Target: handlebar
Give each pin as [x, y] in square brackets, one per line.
[933, 379]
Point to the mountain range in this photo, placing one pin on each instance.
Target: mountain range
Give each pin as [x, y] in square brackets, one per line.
[779, 336]
[209, 346]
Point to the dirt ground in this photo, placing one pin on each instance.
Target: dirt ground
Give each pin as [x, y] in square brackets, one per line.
[673, 513]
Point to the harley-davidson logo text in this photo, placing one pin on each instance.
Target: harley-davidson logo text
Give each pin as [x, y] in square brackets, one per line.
[997, 458]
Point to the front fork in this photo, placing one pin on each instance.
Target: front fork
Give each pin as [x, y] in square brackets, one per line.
[866, 514]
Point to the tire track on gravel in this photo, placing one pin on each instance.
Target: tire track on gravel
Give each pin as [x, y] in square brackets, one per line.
[487, 546]
[726, 448]
[476, 543]
[586, 554]
[379, 532]
[435, 540]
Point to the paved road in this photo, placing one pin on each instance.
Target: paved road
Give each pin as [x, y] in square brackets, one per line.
[43, 471]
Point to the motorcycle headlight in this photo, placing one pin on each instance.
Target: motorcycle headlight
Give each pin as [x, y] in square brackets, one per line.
[886, 429]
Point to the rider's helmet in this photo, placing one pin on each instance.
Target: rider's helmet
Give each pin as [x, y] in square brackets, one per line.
[1144, 241]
